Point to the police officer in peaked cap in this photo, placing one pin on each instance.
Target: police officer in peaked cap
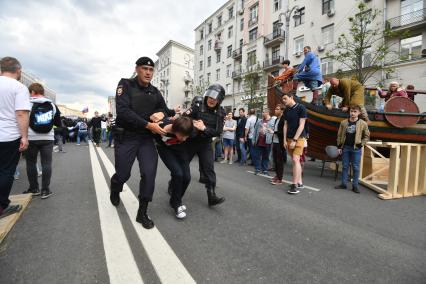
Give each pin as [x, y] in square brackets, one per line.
[139, 106]
[208, 120]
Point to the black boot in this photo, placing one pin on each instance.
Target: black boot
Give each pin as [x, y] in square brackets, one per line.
[142, 217]
[115, 198]
[212, 198]
[116, 188]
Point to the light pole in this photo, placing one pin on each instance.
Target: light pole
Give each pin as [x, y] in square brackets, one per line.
[287, 15]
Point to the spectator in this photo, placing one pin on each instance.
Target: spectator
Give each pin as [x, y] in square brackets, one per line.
[394, 91]
[262, 138]
[229, 138]
[240, 137]
[279, 154]
[44, 114]
[249, 130]
[14, 117]
[410, 92]
[110, 127]
[294, 137]
[95, 123]
[104, 129]
[353, 134]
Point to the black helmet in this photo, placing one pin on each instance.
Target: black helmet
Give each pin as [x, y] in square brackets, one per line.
[197, 101]
[215, 91]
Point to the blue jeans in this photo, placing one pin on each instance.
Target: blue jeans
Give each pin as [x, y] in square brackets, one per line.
[261, 158]
[104, 135]
[82, 134]
[243, 151]
[218, 150]
[350, 156]
[110, 138]
[311, 84]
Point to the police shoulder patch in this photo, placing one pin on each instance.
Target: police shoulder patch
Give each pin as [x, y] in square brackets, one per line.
[119, 90]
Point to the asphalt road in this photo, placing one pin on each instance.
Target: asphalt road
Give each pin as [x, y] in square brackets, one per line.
[259, 235]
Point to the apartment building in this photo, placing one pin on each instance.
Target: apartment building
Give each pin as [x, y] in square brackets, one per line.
[27, 79]
[174, 73]
[242, 35]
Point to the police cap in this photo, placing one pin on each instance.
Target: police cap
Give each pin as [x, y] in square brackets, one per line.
[144, 61]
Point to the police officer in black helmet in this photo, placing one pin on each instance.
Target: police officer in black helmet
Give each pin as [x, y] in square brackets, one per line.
[208, 120]
[139, 106]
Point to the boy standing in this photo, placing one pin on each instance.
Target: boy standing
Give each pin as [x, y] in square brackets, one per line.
[352, 136]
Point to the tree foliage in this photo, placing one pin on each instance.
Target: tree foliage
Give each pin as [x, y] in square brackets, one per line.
[364, 49]
[253, 83]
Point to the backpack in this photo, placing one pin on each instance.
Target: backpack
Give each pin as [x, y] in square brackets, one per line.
[42, 117]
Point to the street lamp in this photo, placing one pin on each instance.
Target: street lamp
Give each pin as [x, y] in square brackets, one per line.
[287, 15]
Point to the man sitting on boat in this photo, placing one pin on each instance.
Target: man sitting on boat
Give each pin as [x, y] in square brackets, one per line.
[285, 76]
[352, 93]
[309, 72]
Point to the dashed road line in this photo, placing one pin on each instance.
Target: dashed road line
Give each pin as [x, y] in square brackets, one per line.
[122, 267]
[165, 262]
[286, 181]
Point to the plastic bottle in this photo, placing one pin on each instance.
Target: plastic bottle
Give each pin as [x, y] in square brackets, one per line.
[382, 105]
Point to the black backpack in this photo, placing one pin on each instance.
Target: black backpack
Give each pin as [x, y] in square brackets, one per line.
[42, 117]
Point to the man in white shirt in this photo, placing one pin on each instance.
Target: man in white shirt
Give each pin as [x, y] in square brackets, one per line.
[249, 131]
[14, 120]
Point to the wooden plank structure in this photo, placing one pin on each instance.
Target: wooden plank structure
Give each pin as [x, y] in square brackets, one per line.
[402, 174]
[7, 223]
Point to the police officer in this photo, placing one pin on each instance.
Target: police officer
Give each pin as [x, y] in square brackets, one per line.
[208, 120]
[137, 102]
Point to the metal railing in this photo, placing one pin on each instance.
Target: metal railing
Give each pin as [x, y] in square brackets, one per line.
[237, 53]
[252, 21]
[407, 19]
[276, 34]
[237, 73]
[272, 62]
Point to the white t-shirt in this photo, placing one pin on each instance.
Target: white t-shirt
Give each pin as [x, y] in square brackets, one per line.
[103, 124]
[251, 121]
[13, 96]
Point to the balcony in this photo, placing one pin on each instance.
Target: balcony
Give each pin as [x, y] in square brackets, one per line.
[236, 74]
[275, 38]
[411, 20]
[272, 65]
[252, 22]
[218, 45]
[237, 54]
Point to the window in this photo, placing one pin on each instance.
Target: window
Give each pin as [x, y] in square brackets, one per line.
[200, 79]
[298, 44]
[219, 20]
[228, 70]
[201, 50]
[230, 30]
[242, 3]
[276, 53]
[209, 45]
[210, 27]
[209, 61]
[411, 47]
[217, 74]
[229, 51]
[326, 66]
[231, 12]
[218, 56]
[275, 28]
[208, 77]
[407, 9]
[251, 58]
[327, 5]
[228, 88]
[201, 34]
[253, 14]
[327, 34]
[277, 5]
[366, 58]
[241, 24]
[253, 34]
[241, 44]
[299, 17]
[201, 65]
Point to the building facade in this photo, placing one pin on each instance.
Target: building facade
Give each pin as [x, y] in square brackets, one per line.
[27, 79]
[111, 105]
[242, 36]
[174, 72]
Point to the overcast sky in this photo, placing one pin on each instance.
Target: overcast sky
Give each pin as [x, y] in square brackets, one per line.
[81, 48]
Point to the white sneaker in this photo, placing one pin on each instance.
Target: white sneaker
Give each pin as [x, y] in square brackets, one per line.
[230, 162]
[180, 212]
[224, 161]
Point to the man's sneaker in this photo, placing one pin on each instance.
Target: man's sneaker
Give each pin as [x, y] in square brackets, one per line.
[78, 144]
[277, 182]
[256, 172]
[340, 186]
[180, 212]
[230, 162]
[265, 173]
[9, 210]
[224, 161]
[300, 186]
[45, 194]
[34, 192]
[355, 189]
[293, 189]
[274, 178]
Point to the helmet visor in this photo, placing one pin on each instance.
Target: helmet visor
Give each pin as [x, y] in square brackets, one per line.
[214, 94]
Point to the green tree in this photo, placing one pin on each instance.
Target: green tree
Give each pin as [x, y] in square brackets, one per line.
[201, 87]
[363, 50]
[253, 84]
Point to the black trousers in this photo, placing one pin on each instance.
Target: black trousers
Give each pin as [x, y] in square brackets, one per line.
[9, 158]
[126, 151]
[45, 147]
[279, 154]
[203, 148]
[96, 132]
[177, 162]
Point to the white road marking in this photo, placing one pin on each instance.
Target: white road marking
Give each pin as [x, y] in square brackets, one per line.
[121, 264]
[165, 262]
[287, 181]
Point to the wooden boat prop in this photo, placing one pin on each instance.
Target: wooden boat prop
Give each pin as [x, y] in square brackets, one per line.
[398, 123]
